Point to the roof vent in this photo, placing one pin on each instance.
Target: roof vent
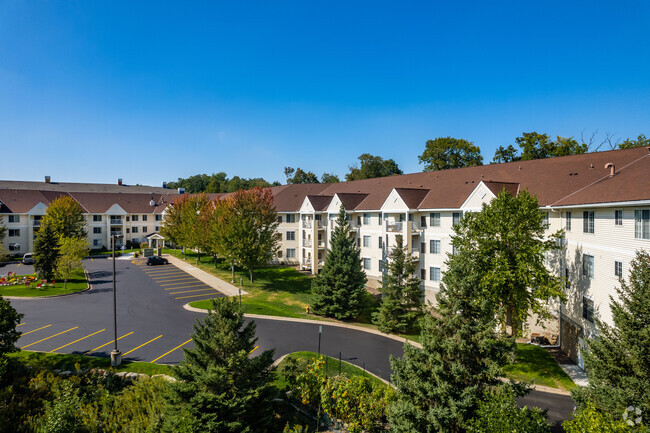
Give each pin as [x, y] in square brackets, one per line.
[181, 190]
[152, 203]
[47, 179]
[612, 168]
[119, 181]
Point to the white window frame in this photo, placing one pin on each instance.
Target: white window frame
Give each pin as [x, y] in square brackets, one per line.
[367, 264]
[588, 266]
[435, 246]
[434, 273]
[642, 224]
[588, 221]
[367, 242]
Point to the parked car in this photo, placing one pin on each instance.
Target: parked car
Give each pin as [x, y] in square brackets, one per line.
[155, 260]
[27, 259]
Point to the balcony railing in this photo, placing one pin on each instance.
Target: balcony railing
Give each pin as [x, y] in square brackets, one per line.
[116, 233]
[306, 224]
[37, 223]
[116, 221]
[306, 243]
[321, 224]
[306, 262]
[394, 227]
[321, 244]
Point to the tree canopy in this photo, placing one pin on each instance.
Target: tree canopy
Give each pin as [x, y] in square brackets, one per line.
[329, 178]
[298, 175]
[372, 166]
[65, 217]
[506, 244]
[641, 141]
[217, 182]
[71, 252]
[46, 251]
[538, 146]
[447, 152]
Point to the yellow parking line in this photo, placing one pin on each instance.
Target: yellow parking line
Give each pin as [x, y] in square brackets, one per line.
[167, 353]
[20, 324]
[161, 271]
[34, 330]
[196, 296]
[254, 349]
[182, 280]
[188, 291]
[82, 338]
[51, 336]
[18, 265]
[187, 287]
[103, 345]
[153, 339]
[168, 276]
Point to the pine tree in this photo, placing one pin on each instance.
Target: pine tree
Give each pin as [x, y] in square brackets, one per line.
[9, 319]
[440, 385]
[401, 304]
[339, 288]
[221, 387]
[46, 251]
[618, 360]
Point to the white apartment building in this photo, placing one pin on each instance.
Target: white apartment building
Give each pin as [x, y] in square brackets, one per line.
[601, 200]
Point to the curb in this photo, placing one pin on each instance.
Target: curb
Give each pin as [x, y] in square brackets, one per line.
[227, 290]
[21, 298]
[317, 322]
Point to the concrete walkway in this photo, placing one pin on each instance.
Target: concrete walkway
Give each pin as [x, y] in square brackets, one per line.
[209, 279]
[577, 374]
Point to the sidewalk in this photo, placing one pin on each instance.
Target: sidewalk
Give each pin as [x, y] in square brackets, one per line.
[577, 374]
[209, 279]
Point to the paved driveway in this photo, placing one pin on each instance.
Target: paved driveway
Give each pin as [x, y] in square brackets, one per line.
[153, 326]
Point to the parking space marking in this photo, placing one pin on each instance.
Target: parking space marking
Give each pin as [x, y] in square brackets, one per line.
[104, 345]
[153, 339]
[82, 338]
[51, 336]
[196, 296]
[167, 353]
[187, 287]
[20, 324]
[254, 349]
[34, 330]
[162, 271]
[182, 280]
[166, 276]
[188, 291]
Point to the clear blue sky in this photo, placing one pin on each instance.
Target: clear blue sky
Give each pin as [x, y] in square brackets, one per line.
[150, 91]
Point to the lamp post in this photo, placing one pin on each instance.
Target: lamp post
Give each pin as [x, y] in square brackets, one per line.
[116, 355]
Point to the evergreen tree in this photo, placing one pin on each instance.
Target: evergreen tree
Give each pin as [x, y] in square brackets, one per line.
[221, 387]
[339, 288]
[46, 251]
[9, 319]
[401, 293]
[618, 360]
[439, 386]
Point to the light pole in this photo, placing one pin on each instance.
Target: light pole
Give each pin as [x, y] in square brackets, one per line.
[116, 355]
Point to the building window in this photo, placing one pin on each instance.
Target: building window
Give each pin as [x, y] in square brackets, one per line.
[567, 284]
[434, 246]
[588, 221]
[366, 241]
[13, 233]
[135, 240]
[568, 221]
[14, 218]
[97, 218]
[588, 309]
[423, 221]
[134, 229]
[434, 219]
[291, 218]
[434, 274]
[618, 268]
[366, 219]
[134, 218]
[279, 219]
[380, 219]
[144, 229]
[144, 218]
[587, 266]
[97, 230]
[97, 243]
[279, 254]
[291, 236]
[291, 253]
[14, 247]
[546, 219]
[380, 242]
[423, 274]
[456, 216]
[367, 264]
[158, 217]
[423, 247]
[156, 228]
[618, 217]
[381, 266]
[642, 224]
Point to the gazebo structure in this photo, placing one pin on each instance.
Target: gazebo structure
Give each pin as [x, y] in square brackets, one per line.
[156, 241]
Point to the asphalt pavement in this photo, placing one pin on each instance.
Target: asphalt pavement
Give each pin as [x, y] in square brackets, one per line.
[152, 326]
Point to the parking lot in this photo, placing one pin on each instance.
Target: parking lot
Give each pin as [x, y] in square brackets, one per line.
[151, 323]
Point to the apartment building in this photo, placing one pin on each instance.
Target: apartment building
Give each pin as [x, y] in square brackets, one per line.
[601, 200]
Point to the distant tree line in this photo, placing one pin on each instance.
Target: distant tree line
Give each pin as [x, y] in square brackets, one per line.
[439, 154]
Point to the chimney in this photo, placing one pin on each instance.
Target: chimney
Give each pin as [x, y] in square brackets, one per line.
[612, 169]
[164, 184]
[119, 181]
[47, 179]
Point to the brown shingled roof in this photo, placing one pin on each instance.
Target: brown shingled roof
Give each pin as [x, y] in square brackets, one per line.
[83, 187]
[412, 197]
[497, 187]
[319, 202]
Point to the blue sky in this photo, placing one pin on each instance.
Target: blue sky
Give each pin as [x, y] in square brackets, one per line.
[92, 91]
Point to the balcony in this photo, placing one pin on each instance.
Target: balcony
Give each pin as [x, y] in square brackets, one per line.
[322, 224]
[321, 243]
[37, 223]
[306, 224]
[306, 243]
[306, 262]
[394, 227]
[116, 221]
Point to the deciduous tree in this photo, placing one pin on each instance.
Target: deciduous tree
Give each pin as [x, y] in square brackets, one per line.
[298, 175]
[222, 387]
[71, 252]
[46, 251]
[618, 360]
[329, 178]
[538, 146]
[506, 244]
[339, 288]
[447, 152]
[505, 154]
[172, 224]
[65, 217]
[401, 304]
[641, 141]
[371, 167]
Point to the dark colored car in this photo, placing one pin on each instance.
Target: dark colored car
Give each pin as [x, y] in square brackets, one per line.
[155, 260]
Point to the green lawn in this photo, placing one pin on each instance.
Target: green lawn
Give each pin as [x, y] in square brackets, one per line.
[535, 365]
[76, 283]
[53, 361]
[118, 252]
[332, 365]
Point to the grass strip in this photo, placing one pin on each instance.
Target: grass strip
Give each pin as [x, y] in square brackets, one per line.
[535, 365]
[75, 284]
